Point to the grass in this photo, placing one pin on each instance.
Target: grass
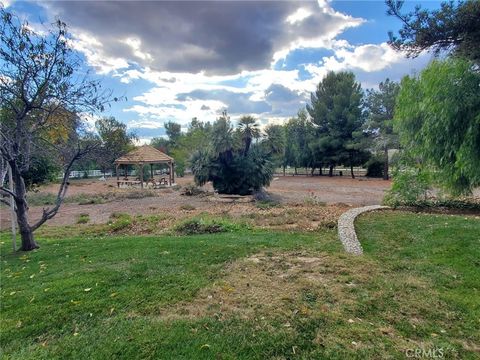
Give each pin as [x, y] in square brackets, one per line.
[247, 294]
[83, 218]
[44, 198]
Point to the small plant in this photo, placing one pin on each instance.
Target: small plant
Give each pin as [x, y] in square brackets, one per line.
[409, 186]
[119, 221]
[83, 218]
[187, 207]
[191, 190]
[266, 204]
[41, 198]
[313, 200]
[205, 225]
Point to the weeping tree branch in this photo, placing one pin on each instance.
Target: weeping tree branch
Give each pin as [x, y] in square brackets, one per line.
[49, 213]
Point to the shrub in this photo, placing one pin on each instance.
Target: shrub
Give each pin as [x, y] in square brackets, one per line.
[409, 186]
[233, 163]
[191, 190]
[41, 198]
[119, 221]
[205, 225]
[83, 218]
[187, 207]
[375, 167]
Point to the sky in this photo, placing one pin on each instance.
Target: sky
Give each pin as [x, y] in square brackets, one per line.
[173, 61]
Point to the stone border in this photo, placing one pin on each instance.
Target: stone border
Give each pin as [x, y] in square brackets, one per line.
[346, 228]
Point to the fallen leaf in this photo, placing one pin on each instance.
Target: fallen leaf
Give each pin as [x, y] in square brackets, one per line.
[87, 289]
[13, 293]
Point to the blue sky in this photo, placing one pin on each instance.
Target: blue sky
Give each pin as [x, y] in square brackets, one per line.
[179, 60]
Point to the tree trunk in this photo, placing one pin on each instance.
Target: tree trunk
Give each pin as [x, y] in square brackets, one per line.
[21, 209]
[350, 155]
[320, 170]
[283, 170]
[330, 171]
[313, 170]
[385, 164]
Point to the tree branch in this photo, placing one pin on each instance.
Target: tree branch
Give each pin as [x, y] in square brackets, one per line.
[50, 213]
[7, 192]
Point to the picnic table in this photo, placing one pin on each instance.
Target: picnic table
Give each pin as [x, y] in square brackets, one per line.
[158, 184]
[128, 182]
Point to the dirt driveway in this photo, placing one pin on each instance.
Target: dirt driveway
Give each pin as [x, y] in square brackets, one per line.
[289, 190]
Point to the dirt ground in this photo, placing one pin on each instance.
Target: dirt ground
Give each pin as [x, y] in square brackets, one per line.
[339, 192]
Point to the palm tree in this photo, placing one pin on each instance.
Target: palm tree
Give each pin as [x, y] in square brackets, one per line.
[249, 130]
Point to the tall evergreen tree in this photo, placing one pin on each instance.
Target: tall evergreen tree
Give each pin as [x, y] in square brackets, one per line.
[336, 112]
[380, 105]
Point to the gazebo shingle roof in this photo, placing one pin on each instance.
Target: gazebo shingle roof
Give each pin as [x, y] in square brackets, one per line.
[145, 154]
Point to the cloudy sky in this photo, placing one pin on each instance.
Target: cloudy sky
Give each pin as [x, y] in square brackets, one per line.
[182, 59]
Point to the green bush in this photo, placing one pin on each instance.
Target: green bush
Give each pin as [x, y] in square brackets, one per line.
[83, 218]
[232, 162]
[409, 186]
[119, 221]
[205, 225]
[375, 167]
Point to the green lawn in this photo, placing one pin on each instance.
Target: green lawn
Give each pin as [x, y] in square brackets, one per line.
[205, 296]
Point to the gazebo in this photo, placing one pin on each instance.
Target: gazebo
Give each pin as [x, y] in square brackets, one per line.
[141, 156]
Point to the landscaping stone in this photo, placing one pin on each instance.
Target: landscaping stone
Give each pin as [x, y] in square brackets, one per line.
[346, 228]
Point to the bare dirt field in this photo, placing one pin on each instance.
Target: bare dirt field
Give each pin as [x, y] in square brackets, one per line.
[338, 193]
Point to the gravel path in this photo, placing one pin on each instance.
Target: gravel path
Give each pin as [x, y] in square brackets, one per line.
[346, 228]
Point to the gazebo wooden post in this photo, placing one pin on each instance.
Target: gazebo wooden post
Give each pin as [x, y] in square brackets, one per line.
[118, 174]
[170, 173]
[173, 172]
[141, 176]
[151, 171]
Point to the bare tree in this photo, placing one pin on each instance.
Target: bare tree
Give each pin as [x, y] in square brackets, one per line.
[41, 79]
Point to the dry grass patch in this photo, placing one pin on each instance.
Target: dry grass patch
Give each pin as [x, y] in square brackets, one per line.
[284, 283]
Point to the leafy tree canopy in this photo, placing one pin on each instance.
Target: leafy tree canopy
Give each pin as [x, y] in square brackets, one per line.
[438, 119]
[455, 27]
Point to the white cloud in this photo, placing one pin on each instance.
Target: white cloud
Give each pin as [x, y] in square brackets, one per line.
[92, 48]
[136, 46]
[6, 3]
[298, 16]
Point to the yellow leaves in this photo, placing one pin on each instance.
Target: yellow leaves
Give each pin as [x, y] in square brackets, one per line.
[87, 289]
[205, 346]
[112, 310]
[13, 293]
[75, 302]
[113, 294]
[227, 288]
